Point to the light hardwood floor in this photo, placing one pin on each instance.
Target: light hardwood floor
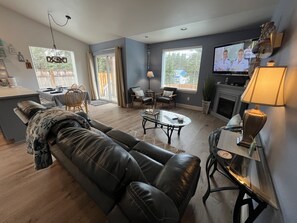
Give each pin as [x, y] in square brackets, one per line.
[52, 195]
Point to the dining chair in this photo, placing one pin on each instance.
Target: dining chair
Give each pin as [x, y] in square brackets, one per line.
[74, 86]
[74, 99]
[82, 87]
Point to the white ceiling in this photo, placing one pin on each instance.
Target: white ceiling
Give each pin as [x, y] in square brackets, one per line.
[95, 21]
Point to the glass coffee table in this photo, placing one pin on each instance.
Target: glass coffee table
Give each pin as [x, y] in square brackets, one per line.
[167, 121]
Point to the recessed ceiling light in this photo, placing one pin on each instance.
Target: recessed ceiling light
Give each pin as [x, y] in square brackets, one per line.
[183, 28]
[146, 37]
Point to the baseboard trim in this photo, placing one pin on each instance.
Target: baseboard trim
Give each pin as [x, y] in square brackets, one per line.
[192, 107]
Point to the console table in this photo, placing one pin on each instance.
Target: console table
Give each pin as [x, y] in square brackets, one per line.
[250, 175]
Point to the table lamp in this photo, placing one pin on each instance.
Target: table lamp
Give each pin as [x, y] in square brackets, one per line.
[150, 74]
[266, 87]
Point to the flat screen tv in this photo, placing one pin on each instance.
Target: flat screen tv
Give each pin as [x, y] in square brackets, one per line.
[233, 58]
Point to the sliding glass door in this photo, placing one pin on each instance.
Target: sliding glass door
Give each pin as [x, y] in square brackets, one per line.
[106, 77]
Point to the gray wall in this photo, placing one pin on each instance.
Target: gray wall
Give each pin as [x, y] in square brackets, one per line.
[134, 61]
[23, 32]
[279, 134]
[208, 43]
[136, 64]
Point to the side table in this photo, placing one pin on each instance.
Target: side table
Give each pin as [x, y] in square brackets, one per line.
[150, 93]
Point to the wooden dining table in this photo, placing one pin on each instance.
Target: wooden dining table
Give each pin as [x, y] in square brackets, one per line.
[59, 96]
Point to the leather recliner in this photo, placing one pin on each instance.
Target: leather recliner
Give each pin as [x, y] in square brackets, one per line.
[129, 179]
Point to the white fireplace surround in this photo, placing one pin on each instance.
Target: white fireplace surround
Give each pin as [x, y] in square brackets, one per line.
[229, 92]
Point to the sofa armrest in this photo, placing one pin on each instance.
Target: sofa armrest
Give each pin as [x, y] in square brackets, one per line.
[145, 203]
[100, 126]
[29, 108]
[154, 152]
[178, 179]
[95, 124]
[125, 140]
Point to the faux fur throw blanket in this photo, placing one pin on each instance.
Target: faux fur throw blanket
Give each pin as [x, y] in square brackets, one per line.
[38, 128]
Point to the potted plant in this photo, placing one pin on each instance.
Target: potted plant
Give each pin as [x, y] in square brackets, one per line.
[208, 92]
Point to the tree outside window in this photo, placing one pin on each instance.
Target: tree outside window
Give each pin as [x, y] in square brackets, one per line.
[180, 68]
[53, 74]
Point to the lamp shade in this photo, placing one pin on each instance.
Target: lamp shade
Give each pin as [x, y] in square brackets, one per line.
[266, 86]
[150, 74]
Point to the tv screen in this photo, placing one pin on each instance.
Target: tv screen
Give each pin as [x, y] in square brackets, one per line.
[234, 58]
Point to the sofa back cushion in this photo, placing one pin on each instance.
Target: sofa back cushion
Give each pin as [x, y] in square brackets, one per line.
[106, 163]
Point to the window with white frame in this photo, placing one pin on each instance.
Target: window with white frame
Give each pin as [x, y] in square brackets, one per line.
[53, 74]
[180, 68]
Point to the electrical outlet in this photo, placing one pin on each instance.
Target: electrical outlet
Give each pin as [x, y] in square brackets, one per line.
[188, 98]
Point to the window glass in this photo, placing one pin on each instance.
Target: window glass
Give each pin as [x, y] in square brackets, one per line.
[180, 68]
[53, 74]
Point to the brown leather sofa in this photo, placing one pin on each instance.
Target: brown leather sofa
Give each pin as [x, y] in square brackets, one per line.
[129, 179]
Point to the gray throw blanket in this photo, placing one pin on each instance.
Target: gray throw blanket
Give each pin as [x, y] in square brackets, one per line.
[37, 131]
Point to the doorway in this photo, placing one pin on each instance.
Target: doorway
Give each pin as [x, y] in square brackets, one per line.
[106, 76]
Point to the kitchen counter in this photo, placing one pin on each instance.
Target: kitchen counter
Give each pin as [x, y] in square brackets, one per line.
[6, 92]
[12, 127]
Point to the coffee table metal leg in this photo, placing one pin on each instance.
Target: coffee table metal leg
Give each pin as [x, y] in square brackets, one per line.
[143, 125]
[179, 129]
[169, 133]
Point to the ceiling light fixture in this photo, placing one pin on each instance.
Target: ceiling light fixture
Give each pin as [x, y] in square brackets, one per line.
[183, 28]
[57, 58]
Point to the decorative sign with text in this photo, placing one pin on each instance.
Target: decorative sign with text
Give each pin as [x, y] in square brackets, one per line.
[56, 59]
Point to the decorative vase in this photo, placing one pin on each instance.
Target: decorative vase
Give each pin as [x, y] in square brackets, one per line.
[205, 106]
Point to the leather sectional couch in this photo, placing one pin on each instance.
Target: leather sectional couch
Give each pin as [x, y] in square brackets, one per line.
[129, 179]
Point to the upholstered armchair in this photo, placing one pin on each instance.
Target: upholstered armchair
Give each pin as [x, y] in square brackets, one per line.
[167, 96]
[137, 95]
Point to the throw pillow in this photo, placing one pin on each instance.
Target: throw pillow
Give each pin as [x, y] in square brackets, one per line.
[139, 93]
[234, 121]
[167, 93]
[135, 89]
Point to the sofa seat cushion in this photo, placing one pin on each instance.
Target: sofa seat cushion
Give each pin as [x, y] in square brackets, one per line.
[107, 164]
[164, 99]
